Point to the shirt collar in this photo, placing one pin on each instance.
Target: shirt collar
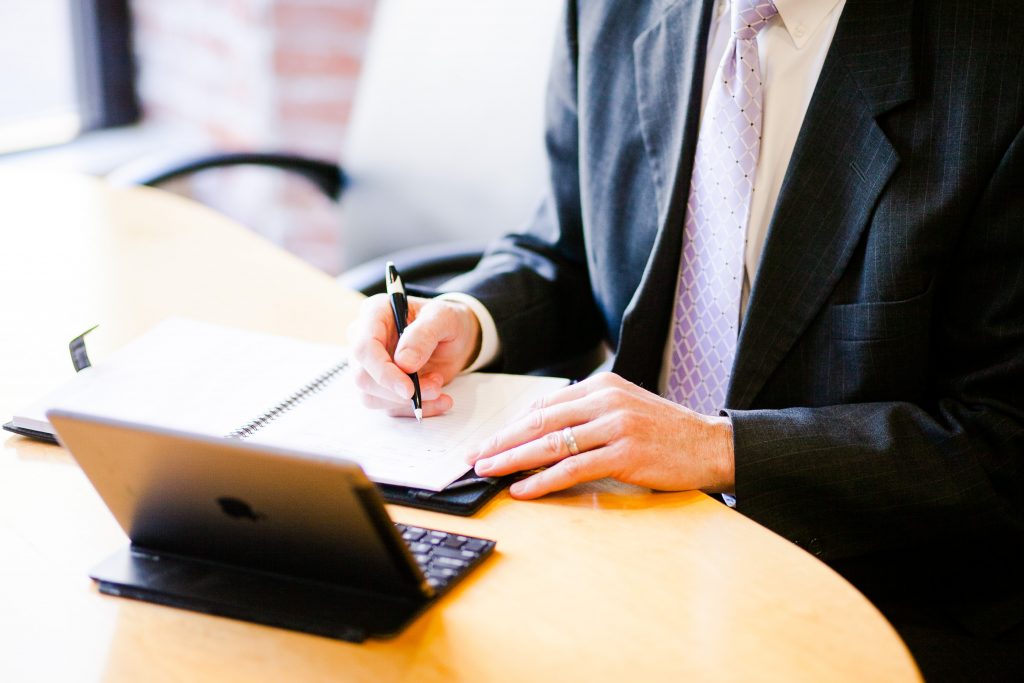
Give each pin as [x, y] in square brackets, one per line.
[800, 18]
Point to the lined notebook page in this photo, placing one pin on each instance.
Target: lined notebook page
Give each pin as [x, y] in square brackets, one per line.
[195, 376]
[428, 455]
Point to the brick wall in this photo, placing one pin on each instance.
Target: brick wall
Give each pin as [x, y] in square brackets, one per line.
[257, 74]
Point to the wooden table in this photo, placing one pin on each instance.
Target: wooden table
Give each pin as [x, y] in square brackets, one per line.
[597, 584]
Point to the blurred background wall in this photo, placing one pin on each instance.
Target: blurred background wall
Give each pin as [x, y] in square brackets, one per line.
[256, 74]
[446, 143]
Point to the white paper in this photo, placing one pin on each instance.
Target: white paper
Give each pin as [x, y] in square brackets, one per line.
[196, 377]
[394, 450]
[211, 380]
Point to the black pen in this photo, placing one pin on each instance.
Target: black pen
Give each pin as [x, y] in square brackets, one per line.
[400, 307]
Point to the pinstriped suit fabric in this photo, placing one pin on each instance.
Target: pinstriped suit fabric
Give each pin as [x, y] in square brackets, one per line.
[877, 395]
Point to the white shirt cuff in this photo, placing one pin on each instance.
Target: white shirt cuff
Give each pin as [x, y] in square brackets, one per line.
[490, 345]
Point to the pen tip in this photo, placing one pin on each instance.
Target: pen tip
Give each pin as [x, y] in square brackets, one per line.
[419, 414]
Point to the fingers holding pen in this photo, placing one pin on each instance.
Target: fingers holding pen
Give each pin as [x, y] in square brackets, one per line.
[397, 404]
[373, 334]
[442, 337]
[403, 408]
[437, 345]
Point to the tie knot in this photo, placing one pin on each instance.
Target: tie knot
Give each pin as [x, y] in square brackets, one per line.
[750, 16]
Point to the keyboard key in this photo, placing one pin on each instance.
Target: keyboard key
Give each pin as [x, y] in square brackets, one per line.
[441, 572]
[441, 556]
[455, 541]
[442, 551]
[448, 562]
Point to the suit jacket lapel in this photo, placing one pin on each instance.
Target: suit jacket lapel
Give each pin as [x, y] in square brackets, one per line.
[669, 81]
[840, 165]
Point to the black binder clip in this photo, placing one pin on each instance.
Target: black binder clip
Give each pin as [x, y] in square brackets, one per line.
[79, 356]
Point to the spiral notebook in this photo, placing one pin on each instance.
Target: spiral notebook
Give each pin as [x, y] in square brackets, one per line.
[277, 391]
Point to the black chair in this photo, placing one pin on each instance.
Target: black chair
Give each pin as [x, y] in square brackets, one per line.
[424, 267]
[444, 149]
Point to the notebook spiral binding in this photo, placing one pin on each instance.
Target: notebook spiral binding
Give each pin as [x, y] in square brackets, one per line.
[284, 406]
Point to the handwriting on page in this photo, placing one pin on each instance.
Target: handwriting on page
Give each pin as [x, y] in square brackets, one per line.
[401, 451]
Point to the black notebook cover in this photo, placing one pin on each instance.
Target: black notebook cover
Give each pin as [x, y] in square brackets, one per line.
[31, 433]
[459, 499]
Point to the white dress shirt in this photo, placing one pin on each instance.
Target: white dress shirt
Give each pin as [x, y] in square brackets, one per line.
[792, 49]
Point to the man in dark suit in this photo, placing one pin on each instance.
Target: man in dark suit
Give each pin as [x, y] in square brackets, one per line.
[874, 412]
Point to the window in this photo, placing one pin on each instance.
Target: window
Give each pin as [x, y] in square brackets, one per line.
[65, 67]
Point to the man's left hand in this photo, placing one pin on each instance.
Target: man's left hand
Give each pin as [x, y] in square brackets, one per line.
[620, 431]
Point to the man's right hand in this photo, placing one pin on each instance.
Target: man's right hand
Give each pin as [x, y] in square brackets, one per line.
[442, 339]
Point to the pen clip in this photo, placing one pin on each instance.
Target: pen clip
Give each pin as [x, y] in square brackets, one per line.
[396, 293]
[392, 280]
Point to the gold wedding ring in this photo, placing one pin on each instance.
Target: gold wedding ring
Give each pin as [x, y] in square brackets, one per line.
[570, 441]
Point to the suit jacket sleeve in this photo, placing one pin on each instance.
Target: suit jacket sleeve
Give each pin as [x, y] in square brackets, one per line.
[536, 284]
[857, 479]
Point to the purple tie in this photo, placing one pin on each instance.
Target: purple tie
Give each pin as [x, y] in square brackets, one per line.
[707, 313]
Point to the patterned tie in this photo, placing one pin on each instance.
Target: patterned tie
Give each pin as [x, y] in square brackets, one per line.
[706, 318]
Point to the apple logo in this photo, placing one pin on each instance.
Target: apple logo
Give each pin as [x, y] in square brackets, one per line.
[238, 509]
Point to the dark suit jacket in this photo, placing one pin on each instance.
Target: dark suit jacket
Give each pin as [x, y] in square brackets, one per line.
[877, 396]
